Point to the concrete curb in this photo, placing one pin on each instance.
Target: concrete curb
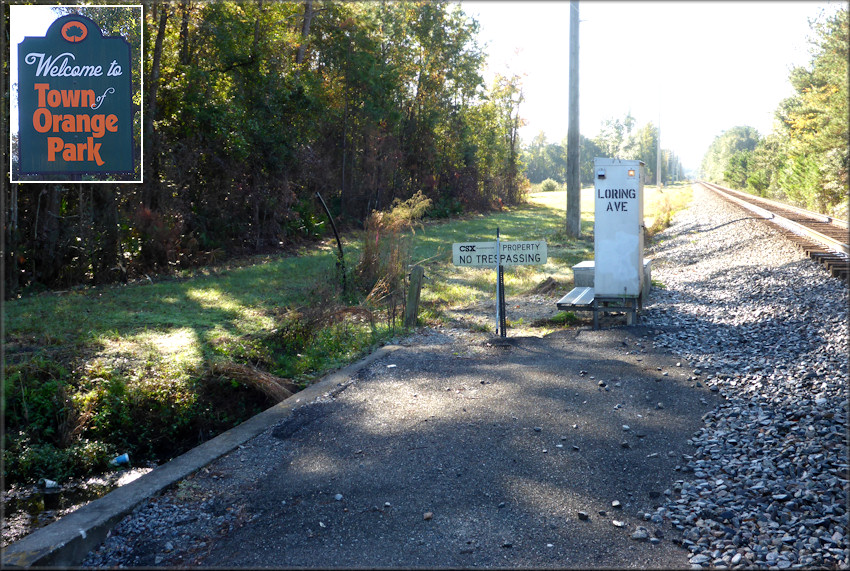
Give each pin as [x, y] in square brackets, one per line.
[66, 542]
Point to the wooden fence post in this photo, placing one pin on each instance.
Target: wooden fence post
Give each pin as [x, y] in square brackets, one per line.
[411, 310]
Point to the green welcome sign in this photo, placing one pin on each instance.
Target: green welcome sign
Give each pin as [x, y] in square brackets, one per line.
[75, 101]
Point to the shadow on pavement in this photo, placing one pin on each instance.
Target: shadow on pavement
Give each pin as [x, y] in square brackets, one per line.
[464, 455]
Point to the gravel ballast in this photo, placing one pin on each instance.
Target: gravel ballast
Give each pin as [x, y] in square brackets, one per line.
[767, 328]
[735, 458]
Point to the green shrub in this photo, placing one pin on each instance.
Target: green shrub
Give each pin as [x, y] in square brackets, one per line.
[27, 461]
[36, 396]
[565, 318]
[445, 207]
[549, 185]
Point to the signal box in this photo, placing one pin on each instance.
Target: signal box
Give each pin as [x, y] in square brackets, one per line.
[618, 228]
[618, 278]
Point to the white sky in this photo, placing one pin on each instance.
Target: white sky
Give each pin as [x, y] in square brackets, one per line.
[705, 66]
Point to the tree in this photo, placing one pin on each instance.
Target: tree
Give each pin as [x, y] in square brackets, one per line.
[736, 172]
[815, 121]
[716, 160]
[151, 193]
[589, 151]
[805, 161]
[252, 107]
[536, 168]
[616, 138]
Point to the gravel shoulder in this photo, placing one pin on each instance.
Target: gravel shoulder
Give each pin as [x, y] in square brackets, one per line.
[576, 449]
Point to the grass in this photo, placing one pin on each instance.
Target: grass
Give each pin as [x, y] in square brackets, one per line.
[660, 206]
[142, 369]
[542, 218]
[156, 368]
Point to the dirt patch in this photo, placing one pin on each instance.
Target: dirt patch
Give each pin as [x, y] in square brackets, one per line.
[533, 314]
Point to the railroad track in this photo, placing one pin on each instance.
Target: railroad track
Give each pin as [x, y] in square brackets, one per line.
[823, 238]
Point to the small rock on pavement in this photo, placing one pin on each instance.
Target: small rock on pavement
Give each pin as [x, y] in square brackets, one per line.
[583, 516]
[428, 516]
[641, 534]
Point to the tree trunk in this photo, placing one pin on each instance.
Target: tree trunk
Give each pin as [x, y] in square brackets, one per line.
[151, 188]
[185, 55]
[12, 243]
[105, 218]
[47, 264]
[343, 194]
[513, 191]
[305, 32]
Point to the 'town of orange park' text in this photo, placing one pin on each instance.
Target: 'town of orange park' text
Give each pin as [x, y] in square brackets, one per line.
[45, 121]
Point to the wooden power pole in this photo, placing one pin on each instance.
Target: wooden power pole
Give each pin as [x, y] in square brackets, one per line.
[658, 180]
[573, 172]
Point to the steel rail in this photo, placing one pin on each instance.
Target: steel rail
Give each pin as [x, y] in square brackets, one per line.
[824, 218]
[744, 200]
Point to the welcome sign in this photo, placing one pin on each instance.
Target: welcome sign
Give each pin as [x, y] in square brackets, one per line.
[75, 101]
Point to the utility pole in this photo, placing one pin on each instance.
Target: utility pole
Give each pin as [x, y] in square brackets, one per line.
[573, 171]
[658, 158]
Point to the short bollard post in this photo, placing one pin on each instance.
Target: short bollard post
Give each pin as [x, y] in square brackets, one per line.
[411, 311]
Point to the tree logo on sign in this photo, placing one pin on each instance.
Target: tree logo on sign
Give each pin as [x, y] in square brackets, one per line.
[74, 32]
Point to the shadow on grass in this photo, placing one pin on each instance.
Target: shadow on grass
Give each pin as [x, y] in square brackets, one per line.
[146, 346]
[128, 368]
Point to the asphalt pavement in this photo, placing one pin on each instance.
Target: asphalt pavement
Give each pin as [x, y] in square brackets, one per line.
[524, 452]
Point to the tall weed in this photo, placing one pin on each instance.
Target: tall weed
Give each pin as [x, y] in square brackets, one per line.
[663, 218]
[385, 254]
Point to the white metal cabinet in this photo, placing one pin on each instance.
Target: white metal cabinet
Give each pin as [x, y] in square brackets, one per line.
[618, 228]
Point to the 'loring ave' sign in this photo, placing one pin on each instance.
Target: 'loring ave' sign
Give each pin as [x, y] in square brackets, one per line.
[75, 101]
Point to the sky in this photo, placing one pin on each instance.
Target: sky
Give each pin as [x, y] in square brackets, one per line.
[695, 68]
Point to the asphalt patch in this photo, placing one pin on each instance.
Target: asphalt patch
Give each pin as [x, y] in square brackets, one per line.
[300, 418]
[526, 452]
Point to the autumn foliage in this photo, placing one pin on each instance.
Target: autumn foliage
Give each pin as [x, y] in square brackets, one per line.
[250, 108]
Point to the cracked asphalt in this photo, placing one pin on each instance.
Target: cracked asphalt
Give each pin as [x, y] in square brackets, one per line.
[449, 452]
